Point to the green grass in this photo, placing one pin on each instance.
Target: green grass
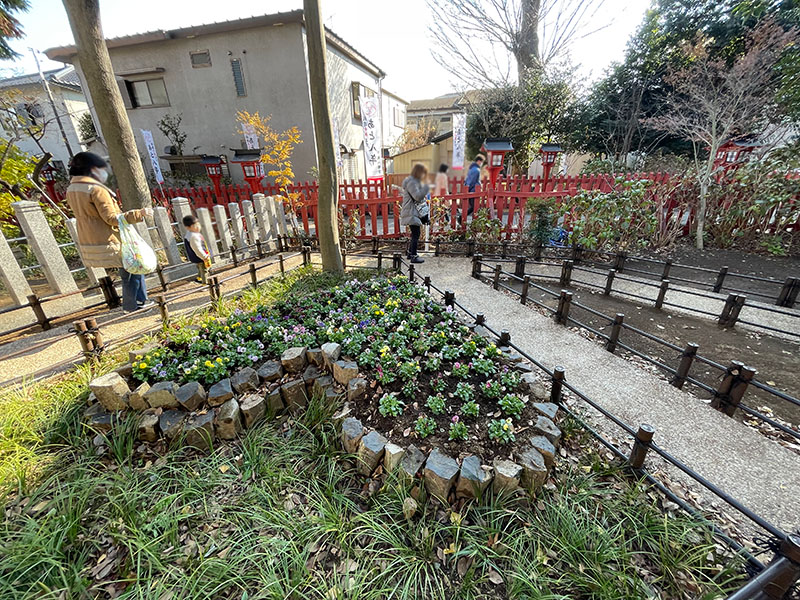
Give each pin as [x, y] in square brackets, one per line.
[282, 514]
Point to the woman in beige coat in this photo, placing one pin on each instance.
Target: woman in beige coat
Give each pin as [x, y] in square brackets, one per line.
[96, 211]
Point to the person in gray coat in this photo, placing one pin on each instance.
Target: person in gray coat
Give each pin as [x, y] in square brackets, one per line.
[414, 209]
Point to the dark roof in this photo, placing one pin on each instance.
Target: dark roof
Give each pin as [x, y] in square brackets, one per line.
[500, 144]
[65, 77]
[67, 53]
[245, 154]
[551, 148]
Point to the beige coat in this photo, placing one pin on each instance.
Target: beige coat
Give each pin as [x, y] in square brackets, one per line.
[95, 209]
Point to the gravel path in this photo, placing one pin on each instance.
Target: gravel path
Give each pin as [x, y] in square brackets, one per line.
[758, 472]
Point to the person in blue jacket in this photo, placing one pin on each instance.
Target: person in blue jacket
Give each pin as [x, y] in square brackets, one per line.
[473, 179]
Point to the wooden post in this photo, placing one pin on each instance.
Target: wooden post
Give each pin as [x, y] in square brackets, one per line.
[38, 311]
[687, 358]
[480, 319]
[619, 261]
[380, 260]
[79, 327]
[738, 388]
[577, 253]
[609, 282]
[163, 309]
[641, 444]
[449, 298]
[470, 247]
[280, 243]
[537, 252]
[557, 384]
[162, 280]
[254, 275]
[374, 244]
[217, 292]
[94, 335]
[722, 395]
[411, 272]
[788, 295]
[396, 261]
[259, 249]
[344, 257]
[519, 268]
[566, 273]
[616, 329]
[667, 267]
[234, 257]
[737, 308]
[564, 302]
[503, 249]
[662, 292]
[427, 282]
[283, 266]
[476, 265]
[496, 278]
[526, 283]
[720, 280]
[726, 310]
[505, 339]
[109, 292]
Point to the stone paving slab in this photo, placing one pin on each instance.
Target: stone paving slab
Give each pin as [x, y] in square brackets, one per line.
[758, 472]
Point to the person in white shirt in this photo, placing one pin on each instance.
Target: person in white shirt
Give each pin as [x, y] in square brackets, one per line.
[196, 249]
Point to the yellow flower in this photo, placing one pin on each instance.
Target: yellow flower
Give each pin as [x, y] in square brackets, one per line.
[143, 365]
[209, 363]
[505, 426]
[219, 359]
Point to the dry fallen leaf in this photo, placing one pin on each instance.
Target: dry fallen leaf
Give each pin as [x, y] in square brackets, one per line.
[409, 507]
[495, 577]
[224, 468]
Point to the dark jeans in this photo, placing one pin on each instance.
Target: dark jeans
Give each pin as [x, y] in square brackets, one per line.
[412, 246]
[134, 291]
[471, 208]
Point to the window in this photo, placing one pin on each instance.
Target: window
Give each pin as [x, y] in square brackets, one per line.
[200, 59]
[356, 89]
[238, 77]
[149, 92]
[398, 117]
[444, 120]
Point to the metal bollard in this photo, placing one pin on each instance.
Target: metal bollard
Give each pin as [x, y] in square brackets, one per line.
[566, 273]
[720, 280]
[687, 358]
[557, 385]
[496, 278]
[667, 267]
[641, 444]
[449, 298]
[519, 268]
[662, 292]
[564, 303]
[609, 282]
[38, 311]
[505, 339]
[526, 283]
[616, 329]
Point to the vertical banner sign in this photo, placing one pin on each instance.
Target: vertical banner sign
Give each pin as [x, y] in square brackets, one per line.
[373, 145]
[337, 146]
[459, 139]
[250, 136]
[151, 150]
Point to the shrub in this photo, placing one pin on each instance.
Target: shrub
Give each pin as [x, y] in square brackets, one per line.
[501, 431]
[512, 405]
[465, 391]
[424, 426]
[470, 409]
[436, 404]
[458, 431]
[390, 405]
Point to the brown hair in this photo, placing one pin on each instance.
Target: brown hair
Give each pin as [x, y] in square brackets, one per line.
[418, 171]
[480, 157]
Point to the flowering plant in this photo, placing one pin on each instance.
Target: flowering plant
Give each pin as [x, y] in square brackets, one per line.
[470, 409]
[424, 426]
[512, 405]
[390, 406]
[461, 370]
[501, 431]
[458, 431]
[465, 391]
[436, 404]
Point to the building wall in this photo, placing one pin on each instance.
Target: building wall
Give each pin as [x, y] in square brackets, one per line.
[441, 119]
[391, 107]
[273, 63]
[431, 156]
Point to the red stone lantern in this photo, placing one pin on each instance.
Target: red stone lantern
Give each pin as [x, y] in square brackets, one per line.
[213, 165]
[250, 159]
[549, 154]
[495, 150]
[49, 176]
[731, 155]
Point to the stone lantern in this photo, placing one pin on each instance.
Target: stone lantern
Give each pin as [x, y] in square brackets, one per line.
[549, 154]
[496, 150]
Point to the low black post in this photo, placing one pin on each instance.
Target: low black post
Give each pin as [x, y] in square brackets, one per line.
[436, 249]
[396, 261]
[726, 310]
[259, 249]
[254, 275]
[564, 303]
[216, 287]
[775, 581]
[609, 282]
[616, 329]
[641, 444]
[504, 250]
[109, 292]
[557, 384]
[519, 268]
[427, 282]
[470, 247]
[687, 358]
[280, 262]
[306, 256]
[738, 388]
[737, 308]
[537, 252]
[344, 258]
[791, 297]
[380, 260]
[162, 308]
[234, 250]
[374, 244]
[480, 319]
[619, 261]
[496, 279]
[280, 243]
[720, 280]
[449, 298]
[577, 253]
[566, 273]
[505, 339]
[667, 267]
[722, 395]
[476, 266]
[411, 272]
[38, 312]
[526, 283]
[161, 278]
[662, 292]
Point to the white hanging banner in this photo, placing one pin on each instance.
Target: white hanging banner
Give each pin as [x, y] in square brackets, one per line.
[373, 145]
[151, 150]
[337, 146]
[250, 136]
[459, 139]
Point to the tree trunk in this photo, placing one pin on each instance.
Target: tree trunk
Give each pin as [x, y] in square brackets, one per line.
[326, 225]
[701, 214]
[527, 43]
[84, 19]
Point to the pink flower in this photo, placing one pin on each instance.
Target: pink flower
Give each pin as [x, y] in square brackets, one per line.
[457, 365]
[454, 419]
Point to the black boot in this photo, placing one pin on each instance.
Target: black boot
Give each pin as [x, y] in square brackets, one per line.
[417, 260]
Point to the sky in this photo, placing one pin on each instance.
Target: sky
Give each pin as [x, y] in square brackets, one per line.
[391, 33]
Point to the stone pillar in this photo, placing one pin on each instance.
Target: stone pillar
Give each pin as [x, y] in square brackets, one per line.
[265, 233]
[273, 219]
[237, 226]
[94, 273]
[43, 243]
[281, 214]
[222, 228]
[181, 208]
[207, 229]
[11, 275]
[167, 235]
[250, 221]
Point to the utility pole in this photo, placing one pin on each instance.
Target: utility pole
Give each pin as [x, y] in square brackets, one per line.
[49, 93]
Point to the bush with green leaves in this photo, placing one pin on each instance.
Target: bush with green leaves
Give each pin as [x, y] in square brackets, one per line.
[512, 405]
[458, 431]
[390, 405]
[465, 391]
[424, 426]
[436, 404]
[470, 409]
[501, 430]
[492, 389]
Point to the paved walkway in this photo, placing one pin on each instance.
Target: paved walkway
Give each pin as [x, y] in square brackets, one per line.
[758, 472]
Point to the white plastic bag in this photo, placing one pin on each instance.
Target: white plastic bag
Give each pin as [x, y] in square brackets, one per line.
[138, 257]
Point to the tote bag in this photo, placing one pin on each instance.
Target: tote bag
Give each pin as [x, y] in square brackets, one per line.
[138, 257]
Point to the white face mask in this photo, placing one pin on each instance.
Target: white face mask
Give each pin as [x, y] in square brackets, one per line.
[100, 174]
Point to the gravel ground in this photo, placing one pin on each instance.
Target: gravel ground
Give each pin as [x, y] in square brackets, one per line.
[758, 472]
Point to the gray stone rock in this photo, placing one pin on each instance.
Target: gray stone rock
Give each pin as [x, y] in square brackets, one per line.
[540, 391]
[548, 409]
[253, 408]
[440, 473]
[344, 371]
[528, 380]
[274, 402]
[148, 427]
[94, 409]
[111, 391]
[170, 423]
[332, 395]
[511, 356]
[352, 432]
[411, 463]
[270, 371]
[310, 375]
[245, 380]
[473, 479]
[125, 371]
[523, 367]
[356, 389]
[534, 470]
[294, 394]
[321, 385]
[229, 420]
[330, 354]
[220, 392]
[392, 455]
[315, 357]
[506, 475]
[191, 395]
[101, 422]
[294, 359]
[370, 452]
[136, 398]
[162, 395]
[548, 429]
[137, 354]
[544, 447]
[199, 431]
